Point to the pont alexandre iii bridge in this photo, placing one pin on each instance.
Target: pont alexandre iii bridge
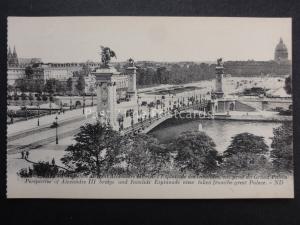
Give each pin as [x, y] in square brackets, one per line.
[145, 126]
[44, 134]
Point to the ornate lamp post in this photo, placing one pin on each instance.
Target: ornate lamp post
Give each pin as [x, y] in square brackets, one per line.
[61, 107]
[38, 121]
[50, 106]
[138, 104]
[83, 96]
[26, 113]
[149, 109]
[56, 127]
[12, 118]
[70, 102]
[92, 98]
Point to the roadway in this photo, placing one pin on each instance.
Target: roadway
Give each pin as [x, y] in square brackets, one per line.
[35, 137]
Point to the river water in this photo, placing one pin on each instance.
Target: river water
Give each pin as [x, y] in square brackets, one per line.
[220, 131]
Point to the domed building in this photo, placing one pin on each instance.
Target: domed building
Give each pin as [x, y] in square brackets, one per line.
[281, 52]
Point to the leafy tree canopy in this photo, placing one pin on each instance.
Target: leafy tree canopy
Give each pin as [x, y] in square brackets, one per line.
[282, 144]
[195, 152]
[288, 85]
[95, 151]
[144, 155]
[241, 162]
[248, 143]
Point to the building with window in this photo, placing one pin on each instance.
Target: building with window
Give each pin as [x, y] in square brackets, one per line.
[15, 73]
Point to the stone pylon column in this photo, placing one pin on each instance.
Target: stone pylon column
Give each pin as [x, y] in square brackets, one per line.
[131, 72]
[219, 80]
[112, 101]
[106, 102]
[101, 102]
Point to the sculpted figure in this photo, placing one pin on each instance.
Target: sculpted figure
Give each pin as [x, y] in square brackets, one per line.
[219, 61]
[106, 55]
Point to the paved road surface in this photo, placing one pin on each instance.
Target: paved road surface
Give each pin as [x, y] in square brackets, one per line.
[35, 140]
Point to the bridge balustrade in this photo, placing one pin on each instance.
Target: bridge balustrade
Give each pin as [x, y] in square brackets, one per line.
[141, 125]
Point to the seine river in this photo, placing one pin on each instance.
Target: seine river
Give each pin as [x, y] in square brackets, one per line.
[220, 131]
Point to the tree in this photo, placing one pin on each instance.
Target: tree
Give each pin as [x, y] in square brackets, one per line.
[21, 84]
[24, 96]
[44, 98]
[29, 72]
[282, 144]
[31, 97]
[60, 86]
[145, 156]
[50, 86]
[245, 162]
[16, 97]
[245, 153]
[248, 143]
[39, 87]
[40, 169]
[288, 85]
[195, 152]
[80, 84]
[70, 85]
[10, 88]
[95, 151]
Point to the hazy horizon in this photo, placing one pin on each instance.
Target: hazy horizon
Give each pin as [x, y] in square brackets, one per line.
[158, 39]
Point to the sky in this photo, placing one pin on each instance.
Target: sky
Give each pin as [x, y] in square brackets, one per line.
[78, 39]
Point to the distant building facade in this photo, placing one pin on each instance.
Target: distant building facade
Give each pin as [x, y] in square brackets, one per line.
[15, 73]
[257, 68]
[41, 72]
[280, 66]
[60, 74]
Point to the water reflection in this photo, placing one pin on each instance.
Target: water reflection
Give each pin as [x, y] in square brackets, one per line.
[220, 131]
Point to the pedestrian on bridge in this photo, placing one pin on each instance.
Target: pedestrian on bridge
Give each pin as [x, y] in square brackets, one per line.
[53, 162]
[26, 154]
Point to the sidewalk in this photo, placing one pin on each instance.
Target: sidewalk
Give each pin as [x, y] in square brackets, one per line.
[266, 116]
[46, 120]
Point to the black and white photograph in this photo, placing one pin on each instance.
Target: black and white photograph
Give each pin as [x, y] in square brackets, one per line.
[149, 107]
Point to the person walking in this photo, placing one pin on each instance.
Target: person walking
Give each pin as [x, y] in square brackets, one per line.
[22, 155]
[53, 162]
[27, 154]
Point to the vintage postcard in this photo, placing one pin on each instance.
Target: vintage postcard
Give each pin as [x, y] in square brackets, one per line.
[149, 107]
